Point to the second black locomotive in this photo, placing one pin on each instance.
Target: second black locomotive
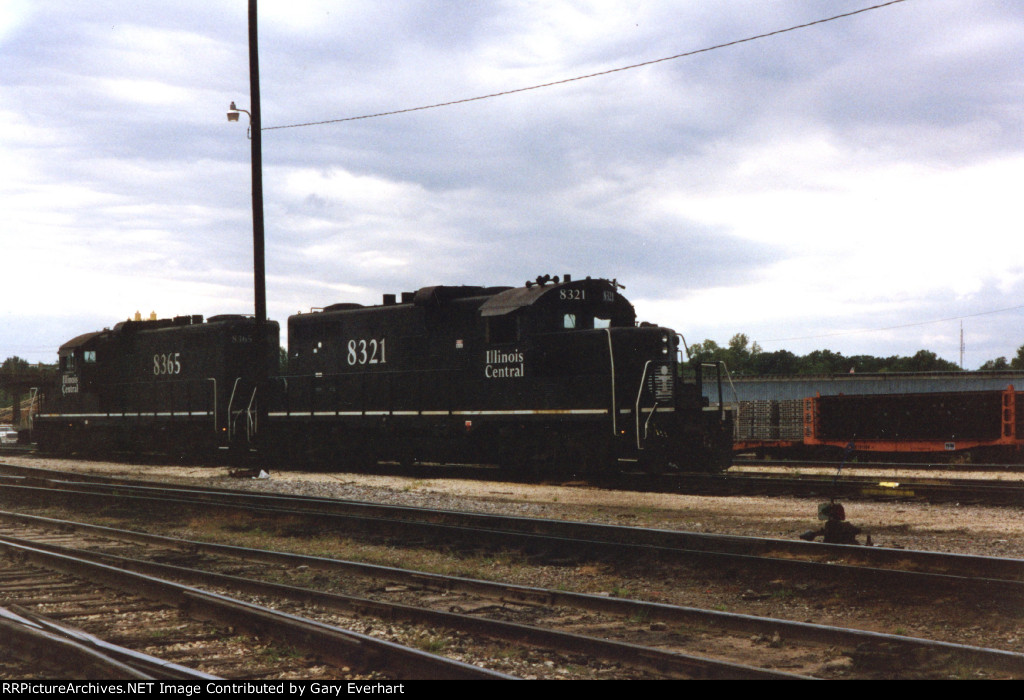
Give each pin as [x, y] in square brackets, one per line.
[181, 386]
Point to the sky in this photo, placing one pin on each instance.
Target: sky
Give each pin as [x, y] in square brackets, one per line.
[850, 185]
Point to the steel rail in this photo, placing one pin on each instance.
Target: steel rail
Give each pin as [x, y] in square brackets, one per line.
[671, 664]
[37, 636]
[988, 492]
[337, 505]
[30, 642]
[1008, 661]
[993, 492]
[342, 647]
[876, 464]
[918, 567]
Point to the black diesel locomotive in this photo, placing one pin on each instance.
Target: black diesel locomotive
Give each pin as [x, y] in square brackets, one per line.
[179, 386]
[549, 376]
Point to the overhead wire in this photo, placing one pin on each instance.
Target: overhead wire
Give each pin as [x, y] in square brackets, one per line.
[589, 75]
[893, 328]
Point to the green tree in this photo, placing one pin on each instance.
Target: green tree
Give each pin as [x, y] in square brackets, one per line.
[738, 356]
[745, 358]
[778, 362]
[824, 362]
[924, 361]
[708, 351]
[1002, 363]
[11, 366]
[1018, 361]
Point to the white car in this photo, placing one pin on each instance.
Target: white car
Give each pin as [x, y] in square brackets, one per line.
[8, 435]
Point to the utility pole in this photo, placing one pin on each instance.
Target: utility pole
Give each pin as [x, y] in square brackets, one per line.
[261, 354]
[259, 344]
[259, 273]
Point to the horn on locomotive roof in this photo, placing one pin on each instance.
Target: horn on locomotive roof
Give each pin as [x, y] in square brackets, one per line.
[544, 279]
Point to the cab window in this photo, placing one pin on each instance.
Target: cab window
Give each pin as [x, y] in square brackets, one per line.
[583, 321]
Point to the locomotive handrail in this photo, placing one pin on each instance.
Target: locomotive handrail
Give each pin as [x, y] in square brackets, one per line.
[231, 403]
[33, 394]
[639, 395]
[647, 423]
[719, 366]
[728, 377]
[251, 417]
[615, 407]
[685, 346]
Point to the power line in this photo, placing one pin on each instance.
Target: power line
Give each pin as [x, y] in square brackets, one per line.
[893, 328]
[590, 75]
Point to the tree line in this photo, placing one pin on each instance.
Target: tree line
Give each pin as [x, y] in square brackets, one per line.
[745, 358]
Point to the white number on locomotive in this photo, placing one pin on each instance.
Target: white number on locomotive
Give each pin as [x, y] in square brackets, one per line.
[367, 352]
[167, 363]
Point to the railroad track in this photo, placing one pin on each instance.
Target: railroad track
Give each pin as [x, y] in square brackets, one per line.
[847, 487]
[37, 642]
[556, 539]
[738, 482]
[649, 662]
[61, 600]
[741, 462]
[652, 649]
[553, 538]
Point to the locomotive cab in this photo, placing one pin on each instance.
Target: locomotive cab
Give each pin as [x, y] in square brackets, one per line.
[608, 389]
[79, 370]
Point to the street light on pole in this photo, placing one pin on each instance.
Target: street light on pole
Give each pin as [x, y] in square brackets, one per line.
[233, 117]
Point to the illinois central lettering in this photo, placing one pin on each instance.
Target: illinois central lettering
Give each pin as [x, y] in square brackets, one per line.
[69, 384]
[503, 365]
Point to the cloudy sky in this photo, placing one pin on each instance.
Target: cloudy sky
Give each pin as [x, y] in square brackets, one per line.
[851, 185]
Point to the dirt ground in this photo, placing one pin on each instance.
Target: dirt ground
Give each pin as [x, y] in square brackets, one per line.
[993, 531]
